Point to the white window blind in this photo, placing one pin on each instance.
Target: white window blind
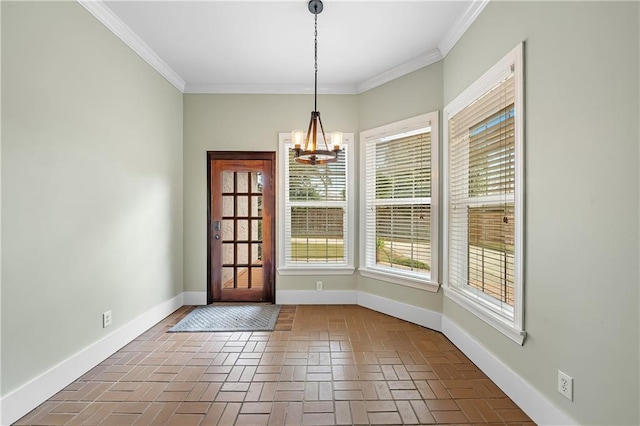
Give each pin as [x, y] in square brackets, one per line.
[484, 192]
[398, 200]
[481, 194]
[316, 212]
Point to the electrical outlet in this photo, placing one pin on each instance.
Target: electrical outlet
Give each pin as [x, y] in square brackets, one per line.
[319, 285]
[106, 319]
[565, 385]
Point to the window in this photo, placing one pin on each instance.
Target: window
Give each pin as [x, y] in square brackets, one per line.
[315, 203]
[483, 197]
[399, 214]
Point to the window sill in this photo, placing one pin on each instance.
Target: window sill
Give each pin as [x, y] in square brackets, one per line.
[316, 270]
[498, 322]
[400, 280]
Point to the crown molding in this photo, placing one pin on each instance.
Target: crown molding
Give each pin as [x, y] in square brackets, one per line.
[98, 9]
[461, 25]
[414, 64]
[101, 12]
[272, 89]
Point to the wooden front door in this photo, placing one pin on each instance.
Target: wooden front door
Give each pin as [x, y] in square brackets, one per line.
[241, 227]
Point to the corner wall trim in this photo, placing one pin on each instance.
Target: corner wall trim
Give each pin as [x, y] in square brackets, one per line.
[461, 25]
[313, 297]
[33, 393]
[428, 58]
[103, 14]
[413, 314]
[530, 400]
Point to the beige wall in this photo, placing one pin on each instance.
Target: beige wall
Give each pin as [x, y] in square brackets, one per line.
[581, 248]
[91, 185]
[246, 123]
[252, 122]
[93, 190]
[411, 95]
[414, 94]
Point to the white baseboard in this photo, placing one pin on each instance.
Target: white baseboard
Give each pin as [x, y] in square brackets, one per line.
[24, 399]
[194, 298]
[313, 297]
[27, 397]
[411, 313]
[530, 400]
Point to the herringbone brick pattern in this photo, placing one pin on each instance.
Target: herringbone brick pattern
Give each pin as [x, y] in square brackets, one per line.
[323, 365]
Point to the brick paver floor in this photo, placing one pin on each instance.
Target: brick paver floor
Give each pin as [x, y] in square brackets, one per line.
[323, 365]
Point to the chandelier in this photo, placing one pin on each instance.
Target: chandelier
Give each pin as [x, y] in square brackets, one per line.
[312, 153]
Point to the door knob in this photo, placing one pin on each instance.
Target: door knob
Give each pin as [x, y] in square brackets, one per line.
[217, 237]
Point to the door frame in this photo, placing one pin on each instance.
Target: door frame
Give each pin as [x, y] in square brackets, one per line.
[241, 155]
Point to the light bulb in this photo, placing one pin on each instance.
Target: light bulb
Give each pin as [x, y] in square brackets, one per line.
[336, 140]
[296, 138]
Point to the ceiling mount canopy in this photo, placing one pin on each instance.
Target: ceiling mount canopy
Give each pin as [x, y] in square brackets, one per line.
[315, 6]
[311, 153]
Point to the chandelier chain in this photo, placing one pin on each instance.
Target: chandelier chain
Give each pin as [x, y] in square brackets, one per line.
[315, 58]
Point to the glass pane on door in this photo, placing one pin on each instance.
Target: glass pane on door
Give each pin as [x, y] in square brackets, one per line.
[243, 182]
[242, 230]
[256, 277]
[256, 182]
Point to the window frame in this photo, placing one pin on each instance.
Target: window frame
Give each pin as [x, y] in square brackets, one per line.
[389, 275]
[481, 305]
[343, 268]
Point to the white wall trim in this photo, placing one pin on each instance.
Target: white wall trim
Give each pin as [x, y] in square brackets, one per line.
[195, 298]
[33, 393]
[103, 14]
[529, 399]
[19, 402]
[407, 281]
[483, 311]
[461, 26]
[411, 313]
[313, 297]
[414, 64]
[271, 89]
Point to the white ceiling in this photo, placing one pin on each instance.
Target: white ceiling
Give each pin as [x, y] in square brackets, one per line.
[237, 46]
